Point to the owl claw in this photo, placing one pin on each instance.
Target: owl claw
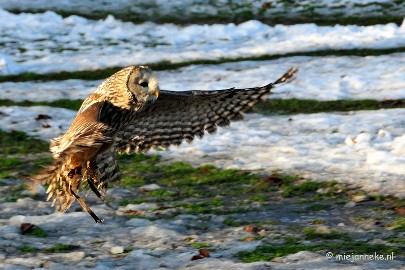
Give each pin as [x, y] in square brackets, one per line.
[98, 194]
[84, 205]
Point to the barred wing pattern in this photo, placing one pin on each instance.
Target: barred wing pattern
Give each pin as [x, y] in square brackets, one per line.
[178, 116]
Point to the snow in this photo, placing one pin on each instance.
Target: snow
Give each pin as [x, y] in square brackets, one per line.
[19, 118]
[363, 148]
[320, 78]
[46, 42]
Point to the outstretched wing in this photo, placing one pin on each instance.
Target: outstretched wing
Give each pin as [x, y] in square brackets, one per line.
[178, 116]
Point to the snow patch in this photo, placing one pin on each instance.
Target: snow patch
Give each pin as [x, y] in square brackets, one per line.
[363, 148]
[47, 42]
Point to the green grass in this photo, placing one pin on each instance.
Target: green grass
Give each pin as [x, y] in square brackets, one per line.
[180, 181]
[318, 207]
[310, 234]
[128, 250]
[147, 169]
[398, 224]
[200, 245]
[17, 167]
[7, 163]
[212, 206]
[37, 232]
[191, 190]
[16, 142]
[61, 248]
[55, 249]
[317, 221]
[240, 13]
[165, 65]
[15, 193]
[290, 190]
[61, 103]
[294, 106]
[199, 190]
[259, 198]
[27, 249]
[268, 107]
[233, 222]
[291, 245]
[269, 252]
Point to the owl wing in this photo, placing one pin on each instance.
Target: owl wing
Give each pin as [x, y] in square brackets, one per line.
[85, 132]
[177, 116]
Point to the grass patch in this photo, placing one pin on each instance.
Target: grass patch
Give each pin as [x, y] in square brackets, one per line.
[200, 245]
[232, 222]
[61, 248]
[143, 169]
[27, 249]
[267, 107]
[212, 206]
[269, 252]
[37, 232]
[55, 249]
[318, 207]
[137, 200]
[132, 181]
[14, 168]
[294, 106]
[291, 245]
[290, 190]
[7, 163]
[17, 142]
[181, 181]
[15, 193]
[166, 65]
[234, 13]
[161, 193]
[61, 103]
[396, 240]
[199, 190]
[317, 221]
[128, 250]
[310, 233]
[398, 224]
[259, 198]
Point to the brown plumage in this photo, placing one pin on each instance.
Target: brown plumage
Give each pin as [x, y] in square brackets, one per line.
[128, 114]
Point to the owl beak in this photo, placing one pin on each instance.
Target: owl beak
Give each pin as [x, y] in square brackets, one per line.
[156, 93]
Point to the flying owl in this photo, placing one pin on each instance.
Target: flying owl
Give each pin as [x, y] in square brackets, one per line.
[128, 113]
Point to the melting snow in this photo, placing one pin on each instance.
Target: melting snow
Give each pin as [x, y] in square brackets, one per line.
[364, 148]
[46, 42]
[320, 78]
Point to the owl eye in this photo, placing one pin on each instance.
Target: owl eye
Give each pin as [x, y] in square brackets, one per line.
[144, 84]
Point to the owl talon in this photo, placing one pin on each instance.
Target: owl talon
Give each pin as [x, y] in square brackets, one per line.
[84, 205]
[75, 171]
[98, 194]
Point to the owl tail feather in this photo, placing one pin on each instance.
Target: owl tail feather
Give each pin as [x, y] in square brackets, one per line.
[64, 184]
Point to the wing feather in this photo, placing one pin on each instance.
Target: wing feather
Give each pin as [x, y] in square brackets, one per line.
[178, 116]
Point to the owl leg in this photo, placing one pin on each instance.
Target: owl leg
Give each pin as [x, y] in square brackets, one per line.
[92, 179]
[98, 194]
[86, 207]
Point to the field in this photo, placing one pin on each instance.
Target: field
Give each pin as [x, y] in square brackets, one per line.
[313, 174]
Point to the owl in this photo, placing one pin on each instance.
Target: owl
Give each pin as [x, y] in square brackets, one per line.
[128, 113]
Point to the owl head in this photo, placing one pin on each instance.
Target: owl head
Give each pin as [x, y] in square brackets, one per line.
[142, 85]
[130, 88]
